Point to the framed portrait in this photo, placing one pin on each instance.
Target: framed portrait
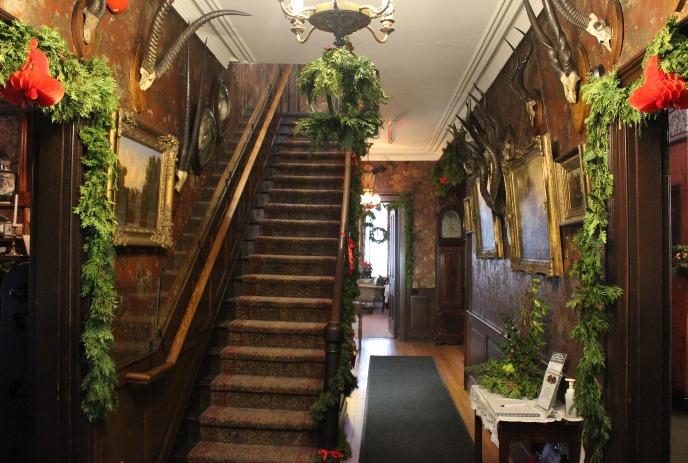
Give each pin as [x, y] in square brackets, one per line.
[468, 215]
[572, 187]
[678, 125]
[142, 183]
[532, 209]
[487, 227]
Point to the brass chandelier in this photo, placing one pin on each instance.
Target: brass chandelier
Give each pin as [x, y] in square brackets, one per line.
[339, 18]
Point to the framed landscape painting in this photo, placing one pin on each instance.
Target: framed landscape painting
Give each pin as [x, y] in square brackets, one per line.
[487, 227]
[532, 209]
[142, 183]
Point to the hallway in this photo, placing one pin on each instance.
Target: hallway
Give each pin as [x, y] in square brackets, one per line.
[450, 363]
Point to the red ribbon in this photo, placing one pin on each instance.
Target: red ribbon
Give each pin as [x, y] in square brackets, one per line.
[33, 84]
[352, 259]
[325, 454]
[444, 180]
[659, 90]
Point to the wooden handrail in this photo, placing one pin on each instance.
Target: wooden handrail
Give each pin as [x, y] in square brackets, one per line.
[157, 372]
[342, 251]
[219, 196]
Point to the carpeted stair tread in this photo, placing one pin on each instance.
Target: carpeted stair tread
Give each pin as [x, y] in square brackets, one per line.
[267, 384]
[299, 222]
[222, 452]
[274, 327]
[308, 178]
[273, 354]
[284, 302]
[307, 191]
[287, 278]
[310, 165]
[301, 207]
[257, 418]
[301, 239]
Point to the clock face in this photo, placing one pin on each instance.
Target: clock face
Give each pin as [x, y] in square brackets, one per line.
[451, 225]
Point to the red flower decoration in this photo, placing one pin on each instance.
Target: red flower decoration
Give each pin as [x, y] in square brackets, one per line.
[118, 6]
[444, 180]
[325, 454]
[32, 84]
[659, 90]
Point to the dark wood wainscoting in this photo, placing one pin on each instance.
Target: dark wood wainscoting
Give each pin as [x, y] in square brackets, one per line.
[422, 304]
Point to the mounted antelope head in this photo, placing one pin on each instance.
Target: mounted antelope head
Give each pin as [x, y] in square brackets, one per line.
[560, 55]
[593, 25]
[517, 82]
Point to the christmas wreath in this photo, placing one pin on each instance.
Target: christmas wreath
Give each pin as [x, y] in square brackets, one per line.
[375, 230]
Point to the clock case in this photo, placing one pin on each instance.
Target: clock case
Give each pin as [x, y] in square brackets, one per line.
[449, 204]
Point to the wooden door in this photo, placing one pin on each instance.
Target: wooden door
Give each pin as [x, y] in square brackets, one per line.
[392, 270]
[450, 294]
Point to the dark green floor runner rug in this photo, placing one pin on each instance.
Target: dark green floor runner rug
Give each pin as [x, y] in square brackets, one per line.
[410, 417]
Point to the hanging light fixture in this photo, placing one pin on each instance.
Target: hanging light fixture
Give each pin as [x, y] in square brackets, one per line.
[339, 18]
[369, 199]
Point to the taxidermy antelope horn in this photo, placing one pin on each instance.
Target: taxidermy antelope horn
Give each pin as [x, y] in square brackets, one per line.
[182, 171]
[517, 82]
[93, 13]
[593, 25]
[165, 63]
[150, 54]
[561, 56]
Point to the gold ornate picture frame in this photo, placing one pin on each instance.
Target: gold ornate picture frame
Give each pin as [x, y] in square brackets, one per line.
[487, 227]
[532, 209]
[572, 187]
[468, 215]
[141, 185]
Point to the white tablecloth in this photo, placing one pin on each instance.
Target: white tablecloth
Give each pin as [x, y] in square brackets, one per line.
[485, 403]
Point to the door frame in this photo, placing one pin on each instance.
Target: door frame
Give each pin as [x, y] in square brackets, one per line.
[400, 291]
[638, 375]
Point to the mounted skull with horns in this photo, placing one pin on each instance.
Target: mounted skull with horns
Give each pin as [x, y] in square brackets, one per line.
[517, 82]
[151, 67]
[593, 25]
[559, 55]
[485, 150]
[93, 13]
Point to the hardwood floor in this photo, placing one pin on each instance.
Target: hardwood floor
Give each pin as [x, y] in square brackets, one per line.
[449, 361]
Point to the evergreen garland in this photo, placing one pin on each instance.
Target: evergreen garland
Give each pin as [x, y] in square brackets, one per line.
[405, 203]
[609, 105]
[449, 171]
[351, 86]
[90, 94]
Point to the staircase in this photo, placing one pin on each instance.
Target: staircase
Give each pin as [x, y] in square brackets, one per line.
[265, 363]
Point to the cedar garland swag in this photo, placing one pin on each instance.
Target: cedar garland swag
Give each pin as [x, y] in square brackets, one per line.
[90, 95]
[609, 104]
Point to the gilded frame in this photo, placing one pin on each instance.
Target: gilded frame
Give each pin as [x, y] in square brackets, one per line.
[468, 215]
[542, 192]
[482, 250]
[127, 126]
[572, 187]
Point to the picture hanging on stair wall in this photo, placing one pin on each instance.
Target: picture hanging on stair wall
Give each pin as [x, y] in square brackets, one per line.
[141, 184]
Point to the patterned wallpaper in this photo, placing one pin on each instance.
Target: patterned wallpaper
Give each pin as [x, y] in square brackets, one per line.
[415, 177]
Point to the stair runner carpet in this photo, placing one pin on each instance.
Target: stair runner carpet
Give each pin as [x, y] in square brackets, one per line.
[269, 357]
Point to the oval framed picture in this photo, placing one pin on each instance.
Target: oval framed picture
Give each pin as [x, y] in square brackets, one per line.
[222, 105]
[207, 136]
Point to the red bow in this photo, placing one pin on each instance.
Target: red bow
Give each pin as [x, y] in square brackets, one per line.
[32, 84]
[659, 90]
[325, 454]
[352, 259]
[444, 180]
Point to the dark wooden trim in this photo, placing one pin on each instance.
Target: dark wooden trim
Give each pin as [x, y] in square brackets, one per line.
[57, 311]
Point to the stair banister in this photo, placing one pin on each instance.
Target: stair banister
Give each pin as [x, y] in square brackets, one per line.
[182, 332]
[334, 335]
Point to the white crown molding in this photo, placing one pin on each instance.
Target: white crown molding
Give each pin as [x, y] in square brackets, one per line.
[224, 41]
[487, 61]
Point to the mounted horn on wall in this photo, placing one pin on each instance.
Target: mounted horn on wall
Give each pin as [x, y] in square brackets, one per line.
[589, 23]
[93, 13]
[560, 55]
[517, 82]
[486, 149]
[152, 68]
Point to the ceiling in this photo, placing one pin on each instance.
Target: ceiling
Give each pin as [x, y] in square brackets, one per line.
[440, 48]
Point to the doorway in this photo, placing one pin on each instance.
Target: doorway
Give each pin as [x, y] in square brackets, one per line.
[678, 175]
[377, 252]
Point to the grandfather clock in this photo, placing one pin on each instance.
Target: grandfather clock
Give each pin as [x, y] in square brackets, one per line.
[450, 314]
